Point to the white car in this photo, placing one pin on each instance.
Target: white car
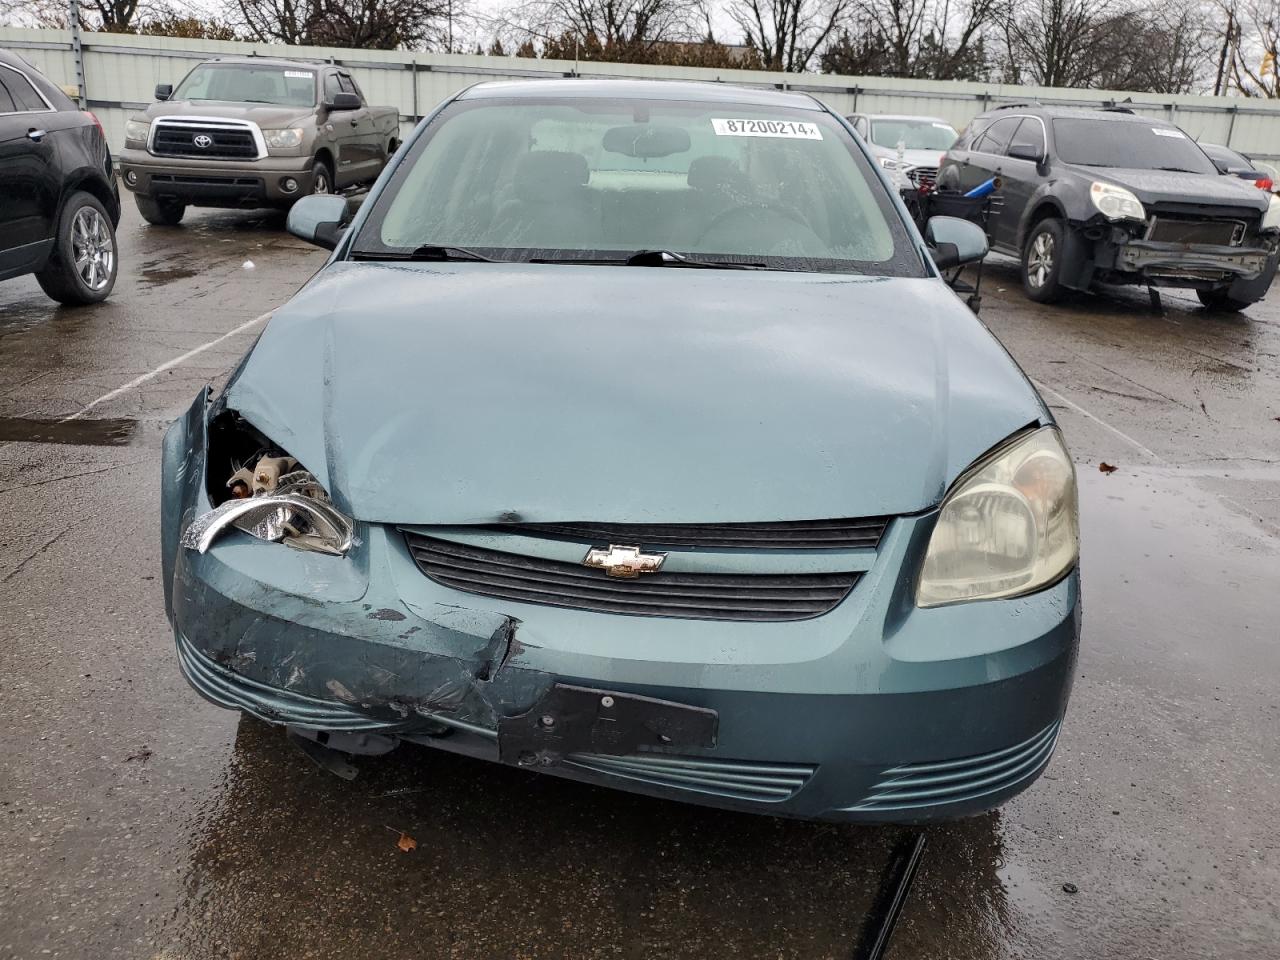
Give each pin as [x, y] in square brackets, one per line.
[911, 147]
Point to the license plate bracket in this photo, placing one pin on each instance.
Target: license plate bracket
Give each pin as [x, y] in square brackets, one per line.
[572, 719]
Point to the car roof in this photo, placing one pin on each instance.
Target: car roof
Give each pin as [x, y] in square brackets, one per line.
[269, 62]
[1117, 115]
[687, 90]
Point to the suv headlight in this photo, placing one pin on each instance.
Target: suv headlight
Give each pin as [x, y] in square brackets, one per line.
[283, 139]
[136, 130]
[893, 163]
[1009, 526]
[1115, 203]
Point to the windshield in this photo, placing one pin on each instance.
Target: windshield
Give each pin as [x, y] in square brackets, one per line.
[1123, 143]
[913, 134]
[249, 83]
[582, 179]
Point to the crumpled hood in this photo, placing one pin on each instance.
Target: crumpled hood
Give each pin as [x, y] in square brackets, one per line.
[266, 116]
[1155, 186]
[468, 392]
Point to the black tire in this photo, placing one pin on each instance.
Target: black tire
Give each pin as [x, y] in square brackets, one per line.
[85, 260]
[321, 177]
[1042, 260]
[162, 213]
[1218, 301]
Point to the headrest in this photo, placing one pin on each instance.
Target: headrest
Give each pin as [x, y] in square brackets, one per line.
[714, 172]
[550, 174]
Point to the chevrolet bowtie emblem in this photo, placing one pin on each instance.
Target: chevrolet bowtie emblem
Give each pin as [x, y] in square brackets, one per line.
[620, 561]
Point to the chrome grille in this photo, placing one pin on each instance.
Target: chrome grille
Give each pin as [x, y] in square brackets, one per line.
[228, 140]
[778, 535]
[917, 785]
[694, 596]
[923, 176]
[738, 779]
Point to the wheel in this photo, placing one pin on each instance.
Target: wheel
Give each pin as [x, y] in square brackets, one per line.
[163, 213]
[82, 268]
[321, 178]
[1217, 300]
[1042, 260]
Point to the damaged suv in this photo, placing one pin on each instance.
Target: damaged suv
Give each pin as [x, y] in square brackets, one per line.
[1109, 196]
[632, 435]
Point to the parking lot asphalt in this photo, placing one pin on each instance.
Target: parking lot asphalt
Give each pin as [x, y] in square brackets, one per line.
[138, 821]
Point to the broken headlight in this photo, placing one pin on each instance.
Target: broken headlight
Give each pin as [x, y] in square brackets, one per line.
[277, 501]
[1007, 528]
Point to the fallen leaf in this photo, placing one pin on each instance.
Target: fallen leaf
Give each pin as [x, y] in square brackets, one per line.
[406, 843]
[1106, 467]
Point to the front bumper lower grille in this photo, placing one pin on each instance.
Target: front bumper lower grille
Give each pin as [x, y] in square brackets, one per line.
[777, 535]
[695, 596]
[735, 779]
[916, 786]
[1224, 233]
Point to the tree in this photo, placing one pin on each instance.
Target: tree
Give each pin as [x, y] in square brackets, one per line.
[933, 39]
[367, 24]
[787, 34]
[1253, 49]
[635, 25]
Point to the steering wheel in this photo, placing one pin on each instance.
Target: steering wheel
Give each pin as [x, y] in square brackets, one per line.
[742, 217]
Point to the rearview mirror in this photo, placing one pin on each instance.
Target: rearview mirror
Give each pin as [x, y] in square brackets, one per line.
[343, 101]
[953, 241]
[1026, 151]
[164, 91]
[646, 140]
[320, 219]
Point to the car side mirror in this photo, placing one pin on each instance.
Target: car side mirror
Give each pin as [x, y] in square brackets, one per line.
[343, 101]
[953, 241]
[320, 219]
[1026, 151]
[164, 91]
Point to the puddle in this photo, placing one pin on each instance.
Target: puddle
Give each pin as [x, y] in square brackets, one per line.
[163, 275]
[90, 433]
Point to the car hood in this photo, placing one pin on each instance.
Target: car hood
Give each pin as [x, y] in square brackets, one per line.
[474, 392]
[264, 115]
[916, 158]
[1156, 186]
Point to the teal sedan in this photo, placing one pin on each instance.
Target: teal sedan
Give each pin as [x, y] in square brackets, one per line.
[632, 435]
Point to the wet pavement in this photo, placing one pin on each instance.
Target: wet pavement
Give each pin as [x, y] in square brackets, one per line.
[138, 821]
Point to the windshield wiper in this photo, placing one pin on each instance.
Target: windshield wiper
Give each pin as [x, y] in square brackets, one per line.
[666, 258]
[1179, 170]
[426, 252]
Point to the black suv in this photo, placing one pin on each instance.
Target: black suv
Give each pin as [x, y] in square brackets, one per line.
[1113, 197]
[59, 206]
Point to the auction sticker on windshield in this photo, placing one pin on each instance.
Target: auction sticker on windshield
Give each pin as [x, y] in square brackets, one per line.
[791, 129]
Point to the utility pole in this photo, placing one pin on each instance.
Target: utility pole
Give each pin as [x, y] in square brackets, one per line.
[77, 52]
[1222, 57]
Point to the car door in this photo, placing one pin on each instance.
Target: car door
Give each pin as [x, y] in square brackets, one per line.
[344, 125]
[368, 141]
[29, 177]
[984, 160]
[1018, 181]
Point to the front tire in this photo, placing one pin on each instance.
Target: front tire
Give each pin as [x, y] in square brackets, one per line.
[1042, 260]
[1217, 301]
[85, 260]
[321, 178]
[161, 213]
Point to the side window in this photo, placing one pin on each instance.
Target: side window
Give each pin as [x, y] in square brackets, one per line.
[20, 92]
[6, 101]
[331, 87]
[998, 135]
[1030, 133]
[348, 85]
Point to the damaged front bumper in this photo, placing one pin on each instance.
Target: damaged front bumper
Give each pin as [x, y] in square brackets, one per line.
[1193, 261]
[877, 711]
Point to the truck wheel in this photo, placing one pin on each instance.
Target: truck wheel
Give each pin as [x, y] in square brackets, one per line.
[1042, 260]
[163, 213]
[1218, 301]
[321, 178]
[82, 268]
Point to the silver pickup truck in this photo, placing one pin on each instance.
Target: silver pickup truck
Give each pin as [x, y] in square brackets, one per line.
[252, 132]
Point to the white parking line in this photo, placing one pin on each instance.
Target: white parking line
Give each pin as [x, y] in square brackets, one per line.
[167, 365]
[1099, 421]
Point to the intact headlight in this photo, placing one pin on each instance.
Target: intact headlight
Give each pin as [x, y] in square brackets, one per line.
[1271, 219]
[893, 163]
[1008, 527]
[283, 139]
[136, 130]
[1115, 203]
